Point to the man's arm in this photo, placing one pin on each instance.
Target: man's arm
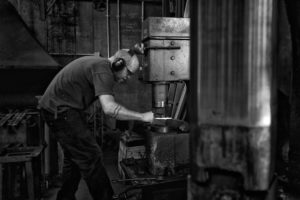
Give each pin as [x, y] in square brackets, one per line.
[112, 108]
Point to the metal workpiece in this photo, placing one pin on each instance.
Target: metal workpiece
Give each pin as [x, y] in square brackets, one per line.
[160, 27]
[161, 129]
[165, 66]
[165, 125]
[172, 124]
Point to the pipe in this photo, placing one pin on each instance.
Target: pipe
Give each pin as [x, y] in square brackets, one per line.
[118, 23]
[47, 150]
[75, 31]
[142, 17]
[42, 10]
[142, 27]
[94, 120]
[108, 55]
[107, 28]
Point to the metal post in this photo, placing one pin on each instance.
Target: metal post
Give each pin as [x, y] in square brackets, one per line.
[107, 28]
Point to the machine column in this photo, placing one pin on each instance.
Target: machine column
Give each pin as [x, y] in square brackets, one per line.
[232, 97]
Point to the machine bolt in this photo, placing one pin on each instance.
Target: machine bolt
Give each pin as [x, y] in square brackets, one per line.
[172, 57]
[172, 73]
[172, 43]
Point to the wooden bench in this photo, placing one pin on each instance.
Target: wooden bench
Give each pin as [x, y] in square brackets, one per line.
[21, 155]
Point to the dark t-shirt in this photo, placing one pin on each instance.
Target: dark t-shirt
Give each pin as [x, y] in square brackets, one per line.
[79, 84]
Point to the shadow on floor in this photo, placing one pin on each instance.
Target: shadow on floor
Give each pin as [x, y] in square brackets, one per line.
[110, 162]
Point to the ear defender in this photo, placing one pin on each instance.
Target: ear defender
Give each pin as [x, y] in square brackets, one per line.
[131, 52]
[118, 64]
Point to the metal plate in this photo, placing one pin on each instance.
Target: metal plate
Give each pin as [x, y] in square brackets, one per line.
[167, 64]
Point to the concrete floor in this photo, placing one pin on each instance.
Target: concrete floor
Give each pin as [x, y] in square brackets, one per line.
[110, 162]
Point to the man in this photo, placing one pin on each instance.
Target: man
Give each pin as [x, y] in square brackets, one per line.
[74, 89]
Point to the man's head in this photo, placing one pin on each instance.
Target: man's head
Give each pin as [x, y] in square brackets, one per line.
[124, 65]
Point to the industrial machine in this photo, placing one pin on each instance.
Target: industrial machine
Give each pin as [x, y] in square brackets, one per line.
[231, 94]
[166, 152]
[166, 61]
[166, 56]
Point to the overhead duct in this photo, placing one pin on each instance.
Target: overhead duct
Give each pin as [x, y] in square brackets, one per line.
[25, 67]
[18, 48]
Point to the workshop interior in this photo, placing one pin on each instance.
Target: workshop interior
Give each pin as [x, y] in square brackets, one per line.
[219, 75]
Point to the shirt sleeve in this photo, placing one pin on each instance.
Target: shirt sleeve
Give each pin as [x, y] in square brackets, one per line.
[103, 83]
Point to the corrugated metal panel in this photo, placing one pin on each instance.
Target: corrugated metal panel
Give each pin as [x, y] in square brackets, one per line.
[232, 50]
[235, 63]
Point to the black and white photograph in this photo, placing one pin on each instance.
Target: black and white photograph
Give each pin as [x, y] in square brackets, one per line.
[149, 100]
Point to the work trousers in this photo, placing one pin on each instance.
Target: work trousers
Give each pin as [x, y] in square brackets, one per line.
[82, 155]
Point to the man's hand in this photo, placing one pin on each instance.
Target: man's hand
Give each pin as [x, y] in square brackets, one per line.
[148, 117]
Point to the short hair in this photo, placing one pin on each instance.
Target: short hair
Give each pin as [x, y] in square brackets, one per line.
[124, 54]
[124, 58]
